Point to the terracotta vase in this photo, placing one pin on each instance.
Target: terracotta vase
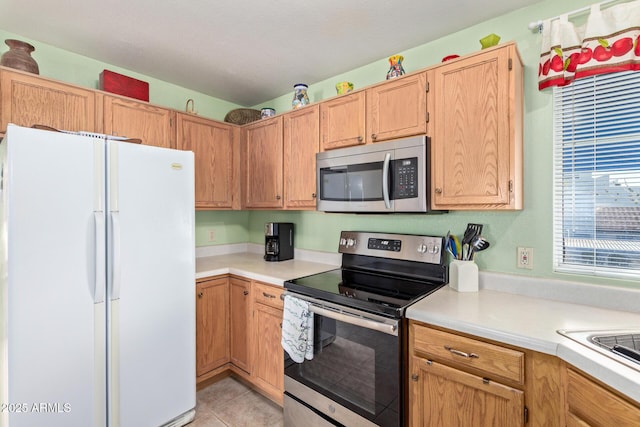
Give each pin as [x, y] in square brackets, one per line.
[19, 56]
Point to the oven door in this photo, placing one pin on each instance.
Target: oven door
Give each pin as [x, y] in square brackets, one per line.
[354, 377]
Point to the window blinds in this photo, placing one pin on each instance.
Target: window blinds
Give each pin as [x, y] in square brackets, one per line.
[596, 213]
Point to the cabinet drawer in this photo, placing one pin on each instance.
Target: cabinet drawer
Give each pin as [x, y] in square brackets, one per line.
[268, 294]
[489, 359]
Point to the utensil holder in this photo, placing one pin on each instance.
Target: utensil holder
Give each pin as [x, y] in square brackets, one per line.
[463, 276]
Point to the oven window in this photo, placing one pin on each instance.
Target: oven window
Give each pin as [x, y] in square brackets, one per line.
[362, 182]
[355, 367]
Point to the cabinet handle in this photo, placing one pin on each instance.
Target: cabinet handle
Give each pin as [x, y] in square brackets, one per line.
[461, 353]
[278, 197]
[414, 377]
[266, 295]
[374, 136]
[360, 139]
[245, 293]
[200, 294]
[438, 190]
[313, 195]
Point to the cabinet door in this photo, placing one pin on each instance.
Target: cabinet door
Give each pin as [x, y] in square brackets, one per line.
[262, 164]
[240, 294]
[301, 143]
[343, 121]
[476, 133]
[212, 324]
[29, 100]
[589, 404]
[397, 108]
[268, 356]
[216, 149]
[444, 396]
[134, 119]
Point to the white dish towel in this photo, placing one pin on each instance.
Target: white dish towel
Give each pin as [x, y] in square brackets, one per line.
[297, 329]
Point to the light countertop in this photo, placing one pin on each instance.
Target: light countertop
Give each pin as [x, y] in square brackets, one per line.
[531, 323]
[252, 266]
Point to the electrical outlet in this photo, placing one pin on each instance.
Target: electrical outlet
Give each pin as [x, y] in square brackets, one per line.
[525, 258]
[212, 235]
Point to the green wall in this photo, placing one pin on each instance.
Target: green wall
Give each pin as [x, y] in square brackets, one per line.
[83, 71]
[531, 227]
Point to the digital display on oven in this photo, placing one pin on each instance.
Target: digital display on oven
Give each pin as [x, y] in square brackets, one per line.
[385, 244]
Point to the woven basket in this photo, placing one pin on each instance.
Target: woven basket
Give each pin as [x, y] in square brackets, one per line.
[241, 116]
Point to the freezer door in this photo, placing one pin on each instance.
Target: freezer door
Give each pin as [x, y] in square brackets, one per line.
[53, 310]
[151, 284]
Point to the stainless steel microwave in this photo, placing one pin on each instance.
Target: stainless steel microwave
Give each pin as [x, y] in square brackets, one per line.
[384, 177]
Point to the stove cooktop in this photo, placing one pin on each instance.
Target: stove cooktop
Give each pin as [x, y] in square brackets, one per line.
[376, 293]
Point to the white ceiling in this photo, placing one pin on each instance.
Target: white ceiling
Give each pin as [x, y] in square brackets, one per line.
[246, 52]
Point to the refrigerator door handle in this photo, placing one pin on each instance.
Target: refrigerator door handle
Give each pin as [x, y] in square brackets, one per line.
[115, 278]
[100, 264]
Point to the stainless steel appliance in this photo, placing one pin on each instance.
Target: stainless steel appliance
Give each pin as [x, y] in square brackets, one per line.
[356, 375]
[383, 177]
[278, 241]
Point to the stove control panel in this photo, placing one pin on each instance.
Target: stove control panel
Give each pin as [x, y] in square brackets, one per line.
[407, 247]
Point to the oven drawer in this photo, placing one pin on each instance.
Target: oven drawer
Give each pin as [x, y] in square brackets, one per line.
[488, 359]
[268, 294]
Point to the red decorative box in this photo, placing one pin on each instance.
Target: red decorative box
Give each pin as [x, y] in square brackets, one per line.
[124, 85]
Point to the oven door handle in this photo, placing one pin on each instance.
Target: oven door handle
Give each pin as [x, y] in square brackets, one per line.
[387, 328]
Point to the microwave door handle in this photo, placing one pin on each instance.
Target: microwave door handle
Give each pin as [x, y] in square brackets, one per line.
[385, 180]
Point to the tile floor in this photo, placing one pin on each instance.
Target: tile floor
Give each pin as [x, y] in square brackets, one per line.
[230, 403]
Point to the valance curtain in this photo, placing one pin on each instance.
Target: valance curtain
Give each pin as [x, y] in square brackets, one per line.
[608, 42]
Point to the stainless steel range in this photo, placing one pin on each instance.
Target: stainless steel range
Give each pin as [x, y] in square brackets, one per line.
[356, 376]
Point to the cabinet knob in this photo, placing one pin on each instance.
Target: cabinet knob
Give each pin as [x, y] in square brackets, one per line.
[414, 377]
[278, 197]
[360, 139]
[200, 294]
[245, 293]
[313, 195]
[438, 190]
[374, 136]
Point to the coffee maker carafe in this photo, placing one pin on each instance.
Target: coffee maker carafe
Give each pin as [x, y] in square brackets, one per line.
[278, 241]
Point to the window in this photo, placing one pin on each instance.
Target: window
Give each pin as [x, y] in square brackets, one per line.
[597, 176]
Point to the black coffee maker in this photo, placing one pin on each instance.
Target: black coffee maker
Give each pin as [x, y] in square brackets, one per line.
[278, 241]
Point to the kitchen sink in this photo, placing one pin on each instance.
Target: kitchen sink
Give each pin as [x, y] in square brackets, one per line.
[622, 346]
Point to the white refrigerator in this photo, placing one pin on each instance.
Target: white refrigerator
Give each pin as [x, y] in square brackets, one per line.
[97, 273]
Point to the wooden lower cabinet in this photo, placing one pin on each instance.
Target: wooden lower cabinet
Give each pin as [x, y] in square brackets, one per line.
[445, 396]
[238, 329]
[240, 305]
[212, 325]
[457, 379]
[589, 404]
[267, 371]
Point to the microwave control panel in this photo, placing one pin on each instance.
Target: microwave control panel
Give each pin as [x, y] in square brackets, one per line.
[405, 178]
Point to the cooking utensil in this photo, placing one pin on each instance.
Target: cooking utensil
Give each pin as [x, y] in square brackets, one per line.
[478, 243]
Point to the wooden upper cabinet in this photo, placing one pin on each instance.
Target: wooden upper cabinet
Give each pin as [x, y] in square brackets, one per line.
[28, 100]
[476, 131]
[397, 108]
[343, 121]
[216, 148]
[136, 119]
[262, 164]
[301, 143]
